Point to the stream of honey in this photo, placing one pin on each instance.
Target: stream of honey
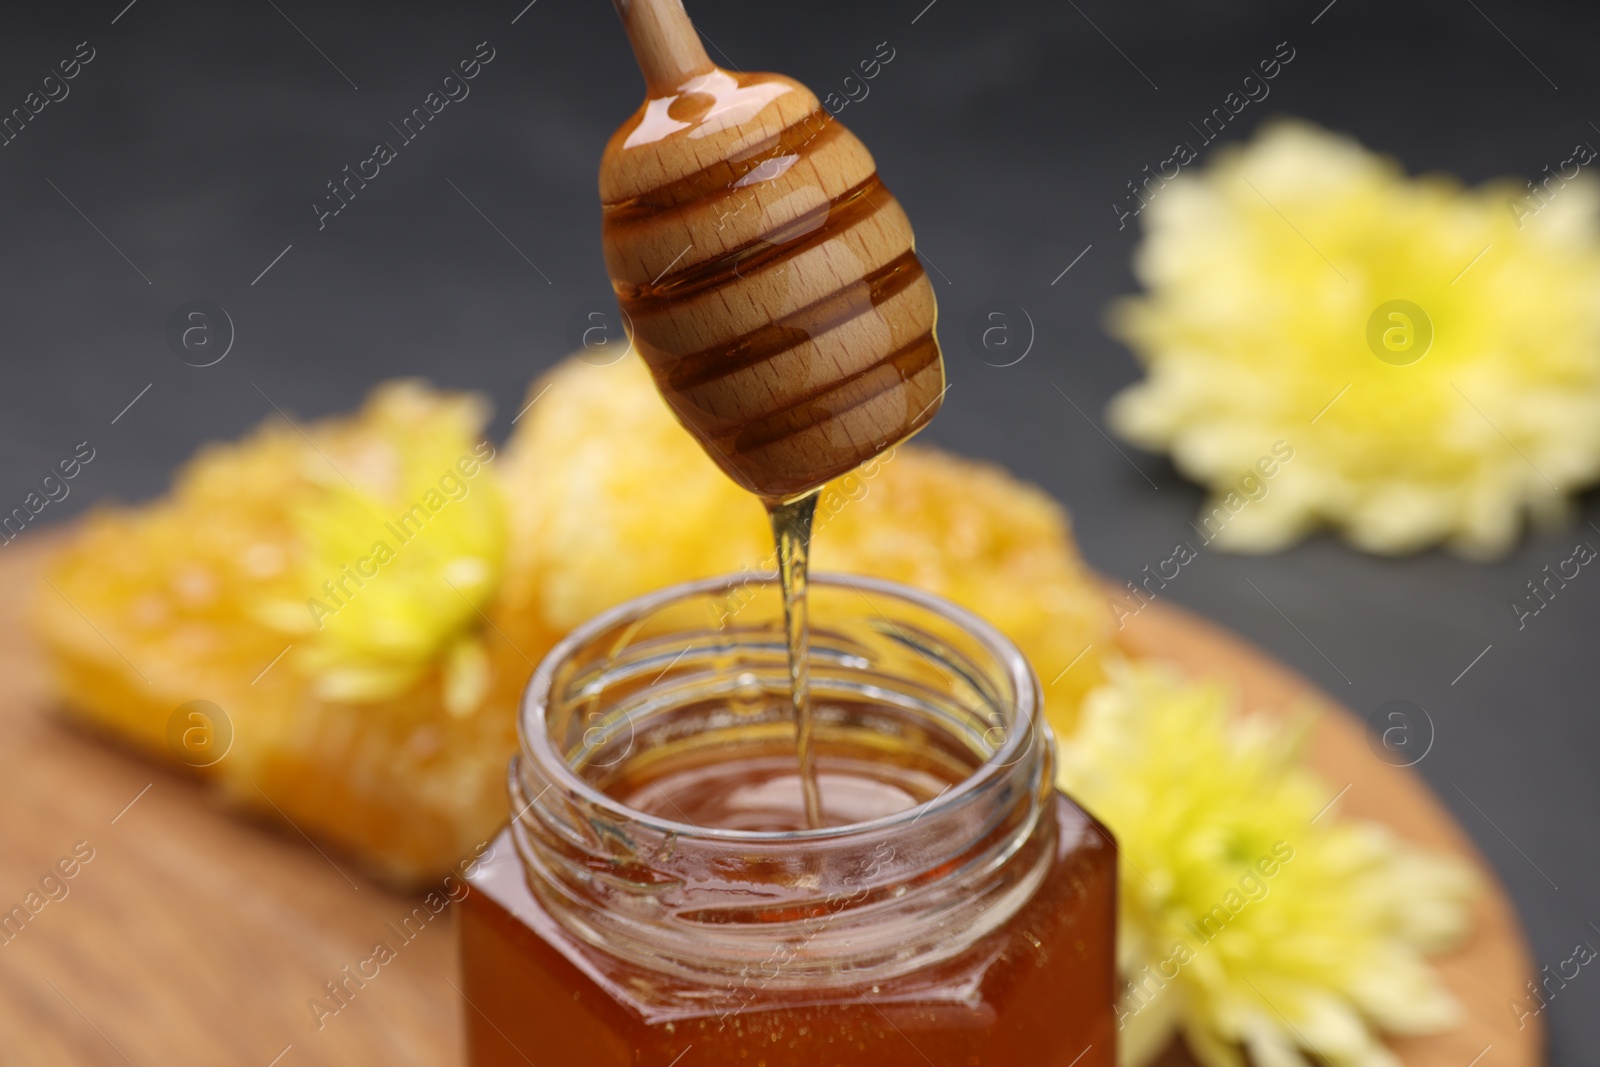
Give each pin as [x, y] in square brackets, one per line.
[791, 530]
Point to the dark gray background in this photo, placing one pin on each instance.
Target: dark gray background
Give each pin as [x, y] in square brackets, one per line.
[200, 134]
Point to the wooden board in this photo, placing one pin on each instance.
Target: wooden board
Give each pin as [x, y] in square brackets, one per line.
[194, 937]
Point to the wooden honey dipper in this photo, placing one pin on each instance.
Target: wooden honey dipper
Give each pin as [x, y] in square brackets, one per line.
[769, 276]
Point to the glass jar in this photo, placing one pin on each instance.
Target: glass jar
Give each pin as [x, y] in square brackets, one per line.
[658, 896]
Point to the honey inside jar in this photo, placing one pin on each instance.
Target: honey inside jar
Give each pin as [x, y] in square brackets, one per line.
[660, 893]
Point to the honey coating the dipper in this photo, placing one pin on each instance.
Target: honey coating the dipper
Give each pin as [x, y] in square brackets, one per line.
[769, 276]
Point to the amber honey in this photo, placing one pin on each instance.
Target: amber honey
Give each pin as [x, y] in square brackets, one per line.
[663, 893]
[1038, 993]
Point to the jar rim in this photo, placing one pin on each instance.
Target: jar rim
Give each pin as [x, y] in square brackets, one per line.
[534, 735]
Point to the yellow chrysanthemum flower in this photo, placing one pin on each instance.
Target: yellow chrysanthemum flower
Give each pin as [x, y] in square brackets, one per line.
[1429, 353]
[613, 499]
[1250, 918]
[401, 541]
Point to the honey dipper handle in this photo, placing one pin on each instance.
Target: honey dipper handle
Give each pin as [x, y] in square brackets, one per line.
[664, 42]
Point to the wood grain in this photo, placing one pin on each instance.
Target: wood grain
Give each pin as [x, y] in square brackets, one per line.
[768, 275]
[664, 42]
[192, 937]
